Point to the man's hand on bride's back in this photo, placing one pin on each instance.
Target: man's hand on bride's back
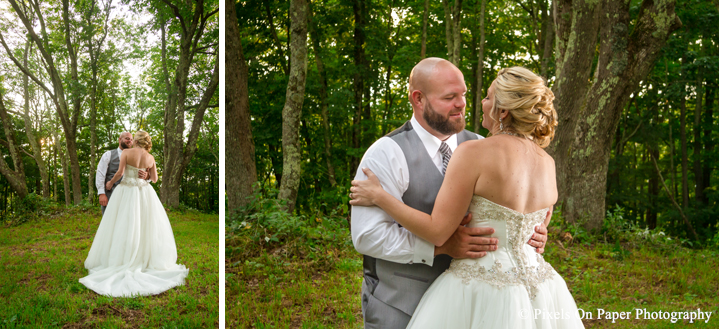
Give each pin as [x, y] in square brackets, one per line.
[364, 192]
[142, 174]
[468, 242]
[539, 238]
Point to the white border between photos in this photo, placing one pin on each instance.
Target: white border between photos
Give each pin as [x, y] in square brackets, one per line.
[221, 320]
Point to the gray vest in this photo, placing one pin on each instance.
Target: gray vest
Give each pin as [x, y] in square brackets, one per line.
[402, 285]
[112, 167]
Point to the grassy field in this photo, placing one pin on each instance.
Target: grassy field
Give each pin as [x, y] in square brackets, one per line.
[273, 286]
[42, 260]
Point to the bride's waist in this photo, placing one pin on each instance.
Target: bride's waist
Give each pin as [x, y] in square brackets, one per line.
[507, 258]
[130, 181]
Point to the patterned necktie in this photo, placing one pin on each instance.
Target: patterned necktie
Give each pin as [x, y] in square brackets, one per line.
[446, 154]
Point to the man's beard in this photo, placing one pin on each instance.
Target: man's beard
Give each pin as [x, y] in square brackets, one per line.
[441, 124]
[124, 145]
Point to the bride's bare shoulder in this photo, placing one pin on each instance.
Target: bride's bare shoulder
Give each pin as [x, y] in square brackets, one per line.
[478, 145]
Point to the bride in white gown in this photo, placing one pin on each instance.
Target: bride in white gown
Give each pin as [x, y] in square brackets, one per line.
[134, 253]
[508, 183]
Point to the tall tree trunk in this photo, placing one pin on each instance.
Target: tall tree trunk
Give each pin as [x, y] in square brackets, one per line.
[424, 29]
[683, 140]
[534, 43]
[589, 116]
[653, 154]
[708, 166]
[240, 148]
[292, 111]
[54, 174]
[76, 97]
[360, 72]
[62, 157]
[367, 122]
[177, 152]
[456, 32]
[672, 144]
[283, 63]
[68, 117]
[94, 50]
[479, 95]
[314, 32]
[15, 176]
[30, 132]
[548, 37]
[66, 179]
[697, 152]
[452, 21]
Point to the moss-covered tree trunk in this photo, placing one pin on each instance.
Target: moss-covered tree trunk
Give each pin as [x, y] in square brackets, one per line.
[589, 109]
[292, 111]
[239, 146]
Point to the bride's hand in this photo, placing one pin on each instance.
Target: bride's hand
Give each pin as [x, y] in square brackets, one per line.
[365, 192]
[108, 186]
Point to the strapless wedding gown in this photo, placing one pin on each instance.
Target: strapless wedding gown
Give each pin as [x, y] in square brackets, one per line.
[133, 253]
[512, 287]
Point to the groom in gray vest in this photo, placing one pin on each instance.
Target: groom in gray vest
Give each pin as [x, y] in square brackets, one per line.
[410, 163]
[107, 167]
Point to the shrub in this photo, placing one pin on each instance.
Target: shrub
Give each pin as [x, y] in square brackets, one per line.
[263, 224]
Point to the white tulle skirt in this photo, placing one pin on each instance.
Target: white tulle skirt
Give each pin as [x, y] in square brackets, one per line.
[134, 252]
[450, 303]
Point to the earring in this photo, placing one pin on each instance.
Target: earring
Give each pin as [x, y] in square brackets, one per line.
[501, 126]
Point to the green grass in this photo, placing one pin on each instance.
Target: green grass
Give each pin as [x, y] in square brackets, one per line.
[620, 278]
[42, 260]
[273, 291]
[273, 286]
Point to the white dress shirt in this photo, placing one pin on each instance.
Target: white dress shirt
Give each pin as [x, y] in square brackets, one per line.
[374, 232]
[102, 170]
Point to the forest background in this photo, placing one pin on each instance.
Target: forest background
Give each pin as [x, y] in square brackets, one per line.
[311, 84]
[635, 96]
[75, 74]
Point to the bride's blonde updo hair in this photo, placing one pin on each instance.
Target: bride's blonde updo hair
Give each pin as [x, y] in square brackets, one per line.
[142, 139]
[529, 102]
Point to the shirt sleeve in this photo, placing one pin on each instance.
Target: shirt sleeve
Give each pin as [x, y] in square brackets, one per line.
[101, 171]
[374, 232]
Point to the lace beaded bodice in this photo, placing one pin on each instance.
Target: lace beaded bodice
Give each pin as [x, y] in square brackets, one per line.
[514, 262]
[131, 177]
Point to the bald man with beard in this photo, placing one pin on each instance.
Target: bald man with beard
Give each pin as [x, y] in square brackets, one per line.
[410, 163]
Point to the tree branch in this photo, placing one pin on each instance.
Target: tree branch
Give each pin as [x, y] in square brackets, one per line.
[198, 105]
[22, 68]
[176, 11]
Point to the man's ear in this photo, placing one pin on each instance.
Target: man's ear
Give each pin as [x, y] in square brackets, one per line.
[417, 98]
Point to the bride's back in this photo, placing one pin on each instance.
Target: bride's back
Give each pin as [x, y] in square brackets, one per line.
[138, 158]
[513, 168]
[516, 173]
